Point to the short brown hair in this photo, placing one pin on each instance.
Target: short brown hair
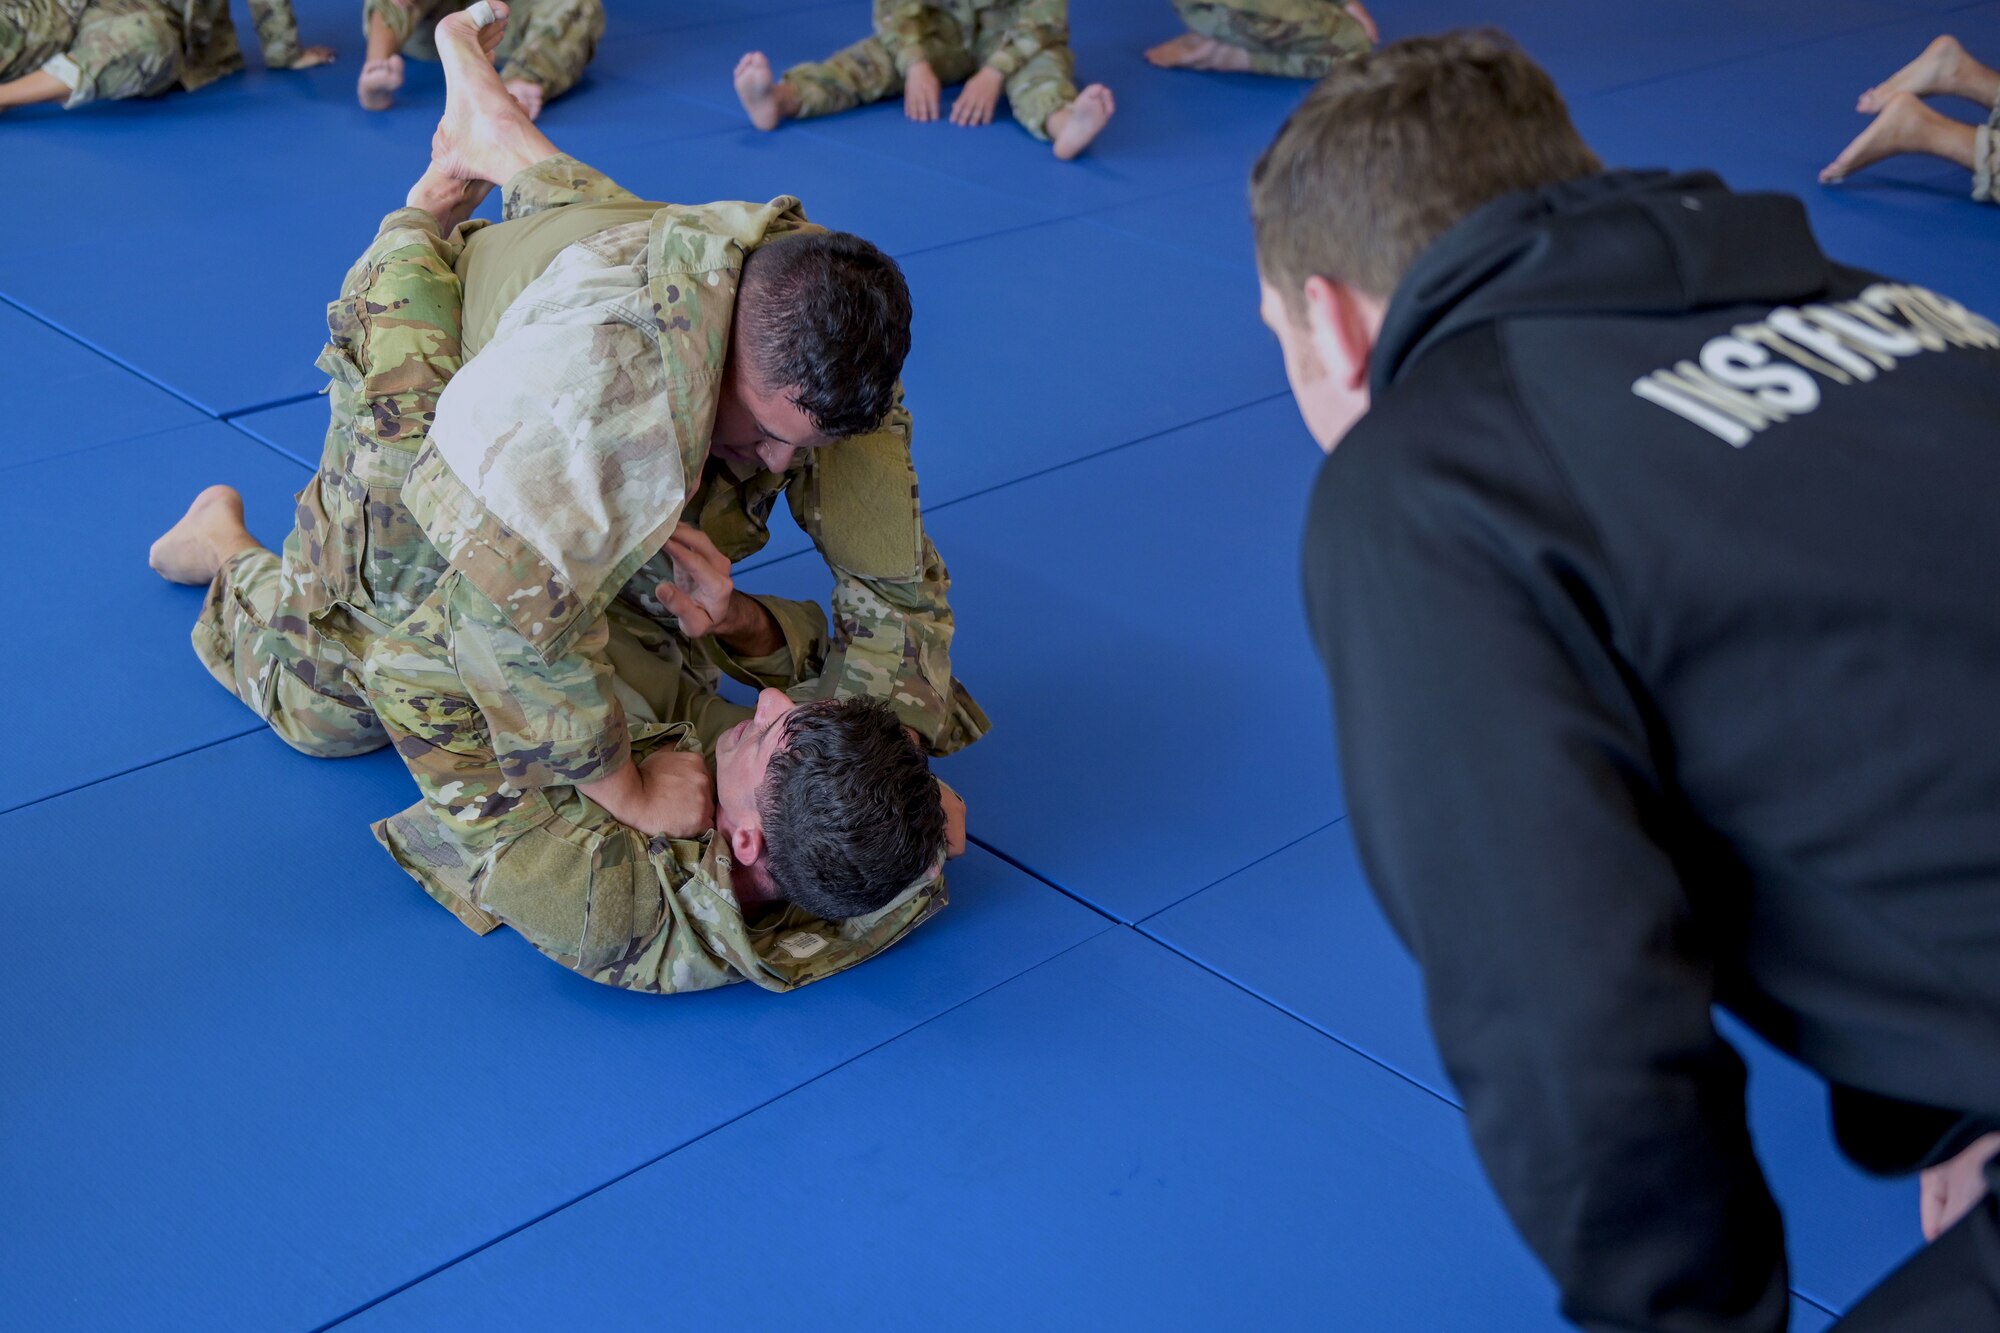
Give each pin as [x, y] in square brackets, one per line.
[1393, 148]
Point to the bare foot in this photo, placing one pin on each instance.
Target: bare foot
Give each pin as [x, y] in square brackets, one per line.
[1365, 19]
[1193, 51]
[1906, 125]
[380, 80]
[765, 101]
[449, 199]
[1082, 120]
[484, 134]
[211, 531]
[1935, 71]
[529, 94]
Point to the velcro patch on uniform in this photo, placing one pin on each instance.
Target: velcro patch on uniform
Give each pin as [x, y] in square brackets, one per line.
[866, 495]
[802, 943]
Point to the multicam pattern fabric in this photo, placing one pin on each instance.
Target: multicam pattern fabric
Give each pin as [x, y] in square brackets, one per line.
[1297, 39]
[108, 50]
[1025, 41]
[548, 42]
[286, 634]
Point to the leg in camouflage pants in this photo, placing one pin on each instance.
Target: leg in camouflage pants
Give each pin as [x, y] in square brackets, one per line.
[285, 634]
[101, 51]
[1297, 39]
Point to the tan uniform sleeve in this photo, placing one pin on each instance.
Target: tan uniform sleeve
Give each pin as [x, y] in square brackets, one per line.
[892, 619]
[1038, 26]
[277, 32]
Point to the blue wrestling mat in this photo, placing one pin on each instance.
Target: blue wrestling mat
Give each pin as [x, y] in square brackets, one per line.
[1161, 1064]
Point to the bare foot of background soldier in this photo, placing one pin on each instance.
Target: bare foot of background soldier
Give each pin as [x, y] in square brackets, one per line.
[529, 94]
[1191, 50]
[1906, 125]
[379, 82]
[765, 101]
[1935, 71]
[211, 531]
[1077, 124]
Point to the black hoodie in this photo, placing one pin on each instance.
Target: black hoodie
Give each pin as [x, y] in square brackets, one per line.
[1660, 593]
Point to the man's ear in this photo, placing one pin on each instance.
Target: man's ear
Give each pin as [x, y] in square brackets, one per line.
[1337, 318]
[746, 845]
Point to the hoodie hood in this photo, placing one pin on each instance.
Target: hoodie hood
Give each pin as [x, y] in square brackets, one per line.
[1625, 243]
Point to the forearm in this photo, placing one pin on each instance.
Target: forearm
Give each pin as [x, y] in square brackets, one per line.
[622, 793]
[748, 629]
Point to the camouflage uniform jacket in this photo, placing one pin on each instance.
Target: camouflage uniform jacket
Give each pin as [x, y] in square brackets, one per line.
[550, 477]
[912, 31]
[208, 37]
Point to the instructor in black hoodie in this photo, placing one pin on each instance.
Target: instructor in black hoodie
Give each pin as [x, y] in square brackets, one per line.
[1658, 577]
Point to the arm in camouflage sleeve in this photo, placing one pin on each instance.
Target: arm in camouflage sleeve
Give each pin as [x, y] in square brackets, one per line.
[277, 32]
[1038, 26]
[908, 29]
[798, 659]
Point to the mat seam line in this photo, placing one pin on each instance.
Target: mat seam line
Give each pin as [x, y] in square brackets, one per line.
[1242, 869]
[120, 362]
[756, 564]
[263, 443]
[707, 1133]
[127, 772]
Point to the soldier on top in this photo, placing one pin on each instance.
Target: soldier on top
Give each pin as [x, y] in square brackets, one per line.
[492, 563]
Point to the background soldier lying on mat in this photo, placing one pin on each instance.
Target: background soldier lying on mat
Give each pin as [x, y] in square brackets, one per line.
[505, 696]
[1903, 124]
[1296, 39]
[548, 44]
[77, 51]
[1020, 47]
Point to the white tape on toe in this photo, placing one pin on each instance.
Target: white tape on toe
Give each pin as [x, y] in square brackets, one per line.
[482, 15]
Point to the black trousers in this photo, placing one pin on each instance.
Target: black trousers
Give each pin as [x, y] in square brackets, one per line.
[1952, 1285]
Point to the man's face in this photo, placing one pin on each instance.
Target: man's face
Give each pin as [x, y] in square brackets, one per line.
[1328, 382]
[743, 756]
[757, 426]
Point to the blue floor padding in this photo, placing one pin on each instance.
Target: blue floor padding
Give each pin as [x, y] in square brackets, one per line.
[1301, 930]
[1115, 1140]
[1131, 623]
[116, 682]
[63, 398]
[1593, 47]
[257, 1078]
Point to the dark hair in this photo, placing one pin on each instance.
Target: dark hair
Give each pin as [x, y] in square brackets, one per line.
[825, 317]
[1395, 147]
[852, 815]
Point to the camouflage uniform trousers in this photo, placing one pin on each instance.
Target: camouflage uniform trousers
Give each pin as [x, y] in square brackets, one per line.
[1986, 158]
[286, 634]
[1297, 39]
[102, 51]
[866, 72]
[548, 42]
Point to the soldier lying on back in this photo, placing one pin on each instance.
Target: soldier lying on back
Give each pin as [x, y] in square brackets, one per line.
[78, 51]
[487, 534]
[1020, 47]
